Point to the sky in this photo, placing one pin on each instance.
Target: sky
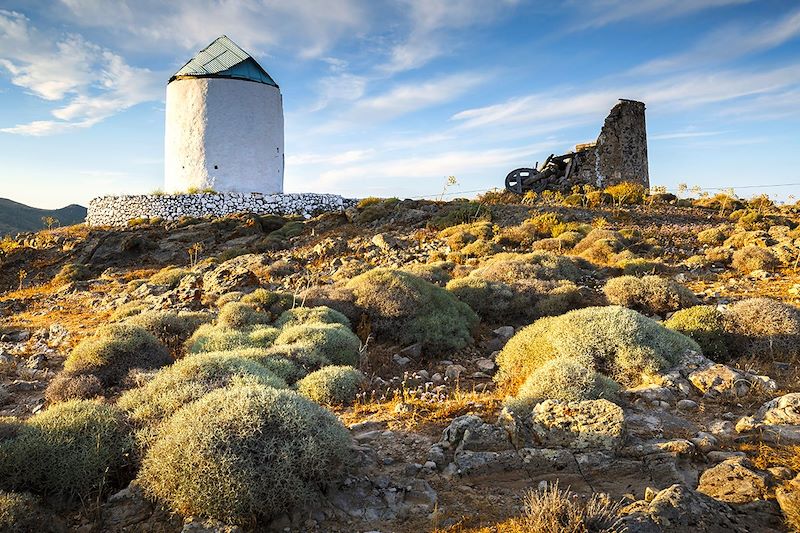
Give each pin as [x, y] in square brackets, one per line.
[389, 98]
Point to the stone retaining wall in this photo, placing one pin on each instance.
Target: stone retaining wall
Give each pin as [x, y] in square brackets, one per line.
[118, 210]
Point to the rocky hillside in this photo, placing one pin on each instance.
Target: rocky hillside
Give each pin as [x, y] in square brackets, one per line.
[19, 218]
[603, 361]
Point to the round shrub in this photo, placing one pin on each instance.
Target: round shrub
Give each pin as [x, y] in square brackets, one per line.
[542, 265]
[188, 380]
[562, 379]
[170, 327]
[210, 338]
[71, 449]
[115, 349]
[714, 236]
[649, 294]
[620, 343]
[66, 386]
[752, 258]
[305, 357]
[307, 315]
[244, 453]
[228, 297]
[332, 385]
[437, 272]
[168, 276]
[238, 315]
[336, 297]
[492, 300]
[706, 325]
[407, 309]
[335, 342]
[20, 512]
[270, 302]
[764, 328]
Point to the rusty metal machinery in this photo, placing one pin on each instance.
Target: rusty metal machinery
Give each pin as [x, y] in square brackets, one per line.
[555, 172]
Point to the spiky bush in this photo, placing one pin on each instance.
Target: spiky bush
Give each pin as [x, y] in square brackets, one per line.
[627, 193]
[305, 357]
[491, 300]
[309, 315]
[706, 325]
[238, 315]
[20, 512]
[335, 342]
[115, 349]
[243, 454]
[562, 379]
[752, 258]
[459, 236]
[600, 245]
[407, 309]
[172, 328]
[168, 276]
[67, 386]
[332, 385]
[540, 264]
[71, 449]
[765, 328]
[552, 509]
[624, 345]
[189, 379]
[438, 272]
[271, 302]
[649, 294]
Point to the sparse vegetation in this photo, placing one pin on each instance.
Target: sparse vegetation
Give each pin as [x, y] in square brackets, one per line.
[752, 258]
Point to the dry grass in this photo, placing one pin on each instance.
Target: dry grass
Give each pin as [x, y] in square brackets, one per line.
[764, 455]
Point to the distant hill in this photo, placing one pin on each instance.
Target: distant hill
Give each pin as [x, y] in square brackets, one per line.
[17, 218]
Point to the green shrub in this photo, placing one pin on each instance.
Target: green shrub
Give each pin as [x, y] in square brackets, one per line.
[752, 258]
[245, 453]
[636, 266]
[600, 245]
[169, 276]
[407, 309]
[335, 342]
[262, 336]
[332, 385]
[764, 328]
[706, 325]
[627, 193]
[188, 380]
[238, 315]
[71, 449]
[270, 302]
[649, 294]
[129, 309]
[21, 513]
[172, 328]
[454, 213]
[509, 268]
[72, 272]
[562, 379]
[311, 315]
[115, 349]
[491, 300]
[480, 248]
[228, 297]
[437, 272]
[305, 357]
[618, 342]
[714, 236]
[66, 386]
[459, 236]
[211, 338]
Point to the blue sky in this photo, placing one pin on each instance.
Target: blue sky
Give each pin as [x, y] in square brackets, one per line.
[388, 98]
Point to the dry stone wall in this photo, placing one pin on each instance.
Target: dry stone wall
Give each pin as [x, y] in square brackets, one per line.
[119, 210]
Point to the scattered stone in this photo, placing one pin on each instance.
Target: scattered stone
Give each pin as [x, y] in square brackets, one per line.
[485, 364]
[687, 405]
[400, 360]
[504, 332]
[453, 372]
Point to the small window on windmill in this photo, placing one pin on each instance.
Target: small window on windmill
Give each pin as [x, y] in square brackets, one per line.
[216, 167]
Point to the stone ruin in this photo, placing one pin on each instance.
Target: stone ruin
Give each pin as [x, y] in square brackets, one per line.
[619, 154]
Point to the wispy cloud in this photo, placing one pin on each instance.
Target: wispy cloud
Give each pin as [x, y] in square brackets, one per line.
[431, 25]
[598, 13]
[308, 28]
[729, 43]
[683, 135]
[91, 82]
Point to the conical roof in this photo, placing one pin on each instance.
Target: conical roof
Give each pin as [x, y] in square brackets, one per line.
[224, 59]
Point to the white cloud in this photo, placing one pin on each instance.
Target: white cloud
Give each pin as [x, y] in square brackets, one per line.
[308, 27]
[431, 24]
[729, 43]
[683, 135]
[598, 13]
[92, 83]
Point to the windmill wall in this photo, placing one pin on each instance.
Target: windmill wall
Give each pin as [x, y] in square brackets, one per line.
[223, 134]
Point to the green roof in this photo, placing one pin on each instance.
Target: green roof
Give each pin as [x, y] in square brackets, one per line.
[224, 59]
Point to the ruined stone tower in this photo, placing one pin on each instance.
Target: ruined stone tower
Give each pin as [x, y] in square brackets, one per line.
[622, 145]
[224, 124]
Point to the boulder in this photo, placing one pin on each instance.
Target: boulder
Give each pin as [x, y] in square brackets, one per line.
[721, 380]
[735, 481]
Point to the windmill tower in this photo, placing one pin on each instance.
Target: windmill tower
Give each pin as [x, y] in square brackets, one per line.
[224, 124]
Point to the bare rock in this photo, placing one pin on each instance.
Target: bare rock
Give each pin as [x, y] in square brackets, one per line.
[735, 481]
